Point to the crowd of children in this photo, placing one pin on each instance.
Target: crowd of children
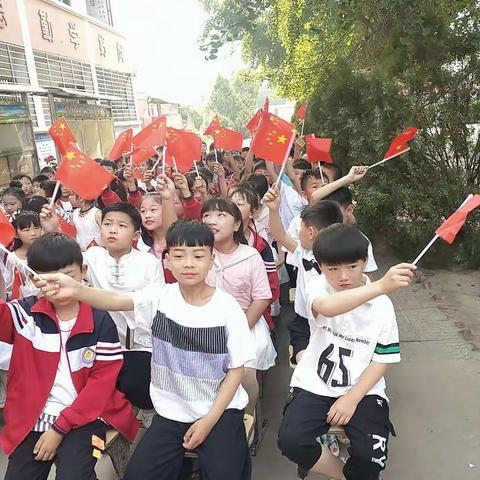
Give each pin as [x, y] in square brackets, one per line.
[159, 299]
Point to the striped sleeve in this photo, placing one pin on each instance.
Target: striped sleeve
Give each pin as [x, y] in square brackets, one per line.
[108, 351]
[387, 349]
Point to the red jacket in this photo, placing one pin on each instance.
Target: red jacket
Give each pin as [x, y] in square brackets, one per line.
[192, 209]
[95, 359]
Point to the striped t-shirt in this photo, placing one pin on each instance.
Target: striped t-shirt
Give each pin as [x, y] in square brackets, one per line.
[192, 349]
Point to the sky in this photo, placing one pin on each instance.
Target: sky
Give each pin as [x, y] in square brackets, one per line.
[162, 47]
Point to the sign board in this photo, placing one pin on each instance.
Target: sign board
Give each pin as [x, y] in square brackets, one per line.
[13, 112]
[82, 111]
[45, 149]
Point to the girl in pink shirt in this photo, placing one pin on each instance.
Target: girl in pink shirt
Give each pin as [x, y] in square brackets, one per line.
[239, 270]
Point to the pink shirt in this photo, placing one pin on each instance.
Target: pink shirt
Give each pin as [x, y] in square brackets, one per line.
[242, 274]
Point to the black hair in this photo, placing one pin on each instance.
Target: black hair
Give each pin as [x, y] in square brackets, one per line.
[49, 187]
[259, 165]
[127, 209]
[321, 214]
[15, 184]
[109, 163]
[34, 203]
[39, 178]
[340, 243]
[336, 170]
[47, 170]
[222, 204]
[343, 196]
[189, 233]
[19, 176]
[302, 164]
[15, 192]
[245, 149]
[54, 251]
[259, 183]
[24, 220]
[246, 191]
[212, 157]
[309, 174]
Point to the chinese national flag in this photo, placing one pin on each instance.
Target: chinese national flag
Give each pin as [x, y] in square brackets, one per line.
[252, 124]
[453, 224]
[7, 232]
[151, 136]
[82, 175]
[302, 111]
[123, 144]
[184, 146]
[227, 139]
[214, 124]
[273, 139]
[318, 149]
[399, 144]
[266, 105]
[62, 135]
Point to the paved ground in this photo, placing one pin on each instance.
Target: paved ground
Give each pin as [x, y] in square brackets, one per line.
[434, 392]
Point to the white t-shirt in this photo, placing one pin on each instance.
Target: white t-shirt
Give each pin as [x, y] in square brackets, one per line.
[88, 230]
[134, 271]
[342, 347]
[291, 204]
[193, 348]
[63, 392]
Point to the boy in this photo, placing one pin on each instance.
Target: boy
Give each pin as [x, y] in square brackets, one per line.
[312, 219]
[339, 379]
[201, 341]
[61, 382]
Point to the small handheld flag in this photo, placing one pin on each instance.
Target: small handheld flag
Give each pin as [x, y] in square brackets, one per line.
[398, 146]
[62, 135]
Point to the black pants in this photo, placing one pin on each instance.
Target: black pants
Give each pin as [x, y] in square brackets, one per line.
[292, 275]
[134, 378]
[223, 455]
[299, 335]
[74, 456]
[304, 422]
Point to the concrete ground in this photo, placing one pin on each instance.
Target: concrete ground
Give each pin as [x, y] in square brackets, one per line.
[434, 391]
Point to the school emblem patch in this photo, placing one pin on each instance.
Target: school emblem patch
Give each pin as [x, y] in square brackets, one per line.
[88, 355]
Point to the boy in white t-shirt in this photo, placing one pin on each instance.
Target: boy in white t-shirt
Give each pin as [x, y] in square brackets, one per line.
[339, 379]
[201, 341]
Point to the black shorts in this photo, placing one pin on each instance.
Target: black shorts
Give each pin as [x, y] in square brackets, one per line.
[299, 335]
[304, 422]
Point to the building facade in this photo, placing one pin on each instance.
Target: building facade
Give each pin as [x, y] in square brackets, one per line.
[60, 59]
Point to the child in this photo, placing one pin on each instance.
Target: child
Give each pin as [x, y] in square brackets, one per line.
[36, 181]
[339, 380]
[26, 183]
[239, 270]
[12, 199]
[61, 382]
[86, 218]
[312, 219]
[200, 343]
[186, 205]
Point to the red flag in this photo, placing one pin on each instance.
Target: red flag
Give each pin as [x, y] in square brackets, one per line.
[214, 125]
[82, 175]
[67, 228]
[151, 136]
[17, 284]
[453, 224]
[318, 149]
[7, 232]
[252, 124]
[184, 146]
[273, 139]
[399, 144]
[123, 144]
[302, 111]
[227, 139]
[266, 105]
[62, 135]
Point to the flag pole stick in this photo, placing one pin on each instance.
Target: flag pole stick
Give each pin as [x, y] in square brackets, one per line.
[284, 164]
[155, 165]
[321, 173]
[175, 164]
[164, 157]
[433, 240]
[196, 168]
[55, 191]
[388, 158]
[303, 125]
[23, 264]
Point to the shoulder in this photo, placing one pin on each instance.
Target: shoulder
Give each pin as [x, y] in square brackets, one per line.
[317, 286]
[383, 306]
[93, 252]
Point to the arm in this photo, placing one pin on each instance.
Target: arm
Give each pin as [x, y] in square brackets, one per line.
[199, 431]
[98, 217]
[255, 311]
[291, 175]
[219, 171]
[248, 166]
[166, 189]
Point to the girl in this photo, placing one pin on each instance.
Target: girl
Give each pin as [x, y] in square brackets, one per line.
[17, 281]
[12, 199]
[86, 219]
[239, 270]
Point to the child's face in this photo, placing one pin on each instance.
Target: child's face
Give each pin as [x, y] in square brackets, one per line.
[27, 186]
[11, 204]
[65, 192]
[75, 200]
[29, 235]
[151, 212]
[77, 272]
[222, 224]
[117, 232]
[36, 188]
[244, 207]
[298, 172]
[311, 185]
[190, 265]
[264, 172]
[344, 275]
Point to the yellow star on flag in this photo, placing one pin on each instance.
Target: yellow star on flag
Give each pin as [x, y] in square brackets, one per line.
[62, 126]
[70, 155]
[218, 132]
[282, 139]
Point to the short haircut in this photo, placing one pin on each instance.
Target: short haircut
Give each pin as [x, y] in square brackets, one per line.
[343, 196]
[15, 192]
[340, 243]
[302, 165]
[213, 157]
[189, 233]
[34, 203]
[260, 165]
[16, 184]
[246, 192]
[47, 170]
[336, 171]
[19, 176]
[39, 178]
[49, 187]
[309, 174]
[127, 209]
[321, 214]
[54, 251]
[109, 163]
[259, 183]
